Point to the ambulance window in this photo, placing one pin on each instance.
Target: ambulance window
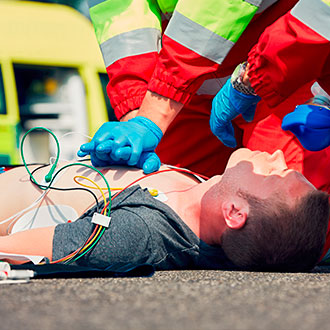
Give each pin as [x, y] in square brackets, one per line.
[53, 97]
[43, 92]
[2, 96]
[104, 81]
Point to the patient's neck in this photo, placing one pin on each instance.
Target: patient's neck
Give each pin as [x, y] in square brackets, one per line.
[200, 209]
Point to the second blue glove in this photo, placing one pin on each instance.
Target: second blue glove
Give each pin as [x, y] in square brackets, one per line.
[227, 105]
[311, 124]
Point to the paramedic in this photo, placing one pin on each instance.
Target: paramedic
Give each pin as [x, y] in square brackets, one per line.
[171, 91]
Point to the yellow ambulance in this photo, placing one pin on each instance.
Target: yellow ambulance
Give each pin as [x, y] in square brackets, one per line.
[52, 75]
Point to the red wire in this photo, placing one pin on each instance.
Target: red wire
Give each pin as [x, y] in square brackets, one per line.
[154, 173]
[72, 253]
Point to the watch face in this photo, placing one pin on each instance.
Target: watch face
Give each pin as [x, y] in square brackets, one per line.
[237, 83]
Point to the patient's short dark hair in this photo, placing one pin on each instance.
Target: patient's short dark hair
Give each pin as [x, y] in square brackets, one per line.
[277, 237]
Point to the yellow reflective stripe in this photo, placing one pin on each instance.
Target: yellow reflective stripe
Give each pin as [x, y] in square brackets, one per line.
[315, 14]
[227, 19]
[113, 17]
[131, 43]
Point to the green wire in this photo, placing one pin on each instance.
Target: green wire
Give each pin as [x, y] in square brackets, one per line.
[49, 175]
[101, 233]
[92, 168]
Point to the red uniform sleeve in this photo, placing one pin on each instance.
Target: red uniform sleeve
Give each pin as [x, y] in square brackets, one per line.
[179, 72]
[128, 81]
[288, 55]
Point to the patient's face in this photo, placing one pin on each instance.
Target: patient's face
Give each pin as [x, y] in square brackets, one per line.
[262, 174]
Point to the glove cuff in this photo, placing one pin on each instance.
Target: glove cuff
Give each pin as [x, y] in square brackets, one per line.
[150, 125]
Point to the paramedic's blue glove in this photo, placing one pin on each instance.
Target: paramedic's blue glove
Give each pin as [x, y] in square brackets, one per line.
[227, 105]
[311, 125]
[131, 143]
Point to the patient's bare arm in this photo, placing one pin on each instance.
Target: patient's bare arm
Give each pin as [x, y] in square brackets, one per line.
[37, 242]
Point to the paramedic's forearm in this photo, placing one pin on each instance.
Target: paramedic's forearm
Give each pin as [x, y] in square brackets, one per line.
[161, 110]
[129, 115]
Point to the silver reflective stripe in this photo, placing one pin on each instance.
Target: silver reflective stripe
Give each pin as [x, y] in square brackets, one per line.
[315, 14]
[131, 43]
[209, 45]
[92, 3]
[265, 4]
[256, 3]
[212, 86]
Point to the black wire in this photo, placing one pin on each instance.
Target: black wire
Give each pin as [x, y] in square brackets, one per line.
[20, 165]
[64, 189]
[11, 166]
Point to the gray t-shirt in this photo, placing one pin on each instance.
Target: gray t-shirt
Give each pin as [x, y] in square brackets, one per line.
[142, 230]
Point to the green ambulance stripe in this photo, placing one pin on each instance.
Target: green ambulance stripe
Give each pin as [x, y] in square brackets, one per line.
[114, 17]
[319, 21]
[216, 34]
[131, 43]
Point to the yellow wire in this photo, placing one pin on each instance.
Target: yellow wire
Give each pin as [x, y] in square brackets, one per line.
[92, 240]
[86, 186]
[153, 192]
[89, 243]
[96, 185]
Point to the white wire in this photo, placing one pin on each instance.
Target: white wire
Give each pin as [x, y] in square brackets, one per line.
[39, 199]
[26, 209]
[79, 133]
[43, 195]
[71, 133]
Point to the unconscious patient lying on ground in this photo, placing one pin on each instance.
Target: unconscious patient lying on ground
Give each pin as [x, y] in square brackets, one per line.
[258, 215]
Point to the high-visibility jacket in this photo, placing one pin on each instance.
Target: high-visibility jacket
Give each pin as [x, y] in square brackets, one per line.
[175, 62]
[292, 51]
[125, 32]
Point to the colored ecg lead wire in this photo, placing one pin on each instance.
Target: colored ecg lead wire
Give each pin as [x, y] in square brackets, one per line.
[50, 177]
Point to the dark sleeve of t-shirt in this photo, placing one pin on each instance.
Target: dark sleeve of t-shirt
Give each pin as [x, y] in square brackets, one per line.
[126, 241]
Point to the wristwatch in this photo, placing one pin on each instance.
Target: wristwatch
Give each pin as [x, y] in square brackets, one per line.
[237, 80]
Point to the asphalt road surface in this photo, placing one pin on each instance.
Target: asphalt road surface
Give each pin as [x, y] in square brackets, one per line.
[171, 300]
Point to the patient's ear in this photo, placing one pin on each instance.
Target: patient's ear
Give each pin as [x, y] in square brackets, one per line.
[235, 212]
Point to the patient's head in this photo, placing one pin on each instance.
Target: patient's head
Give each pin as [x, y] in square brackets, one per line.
[276, 220]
